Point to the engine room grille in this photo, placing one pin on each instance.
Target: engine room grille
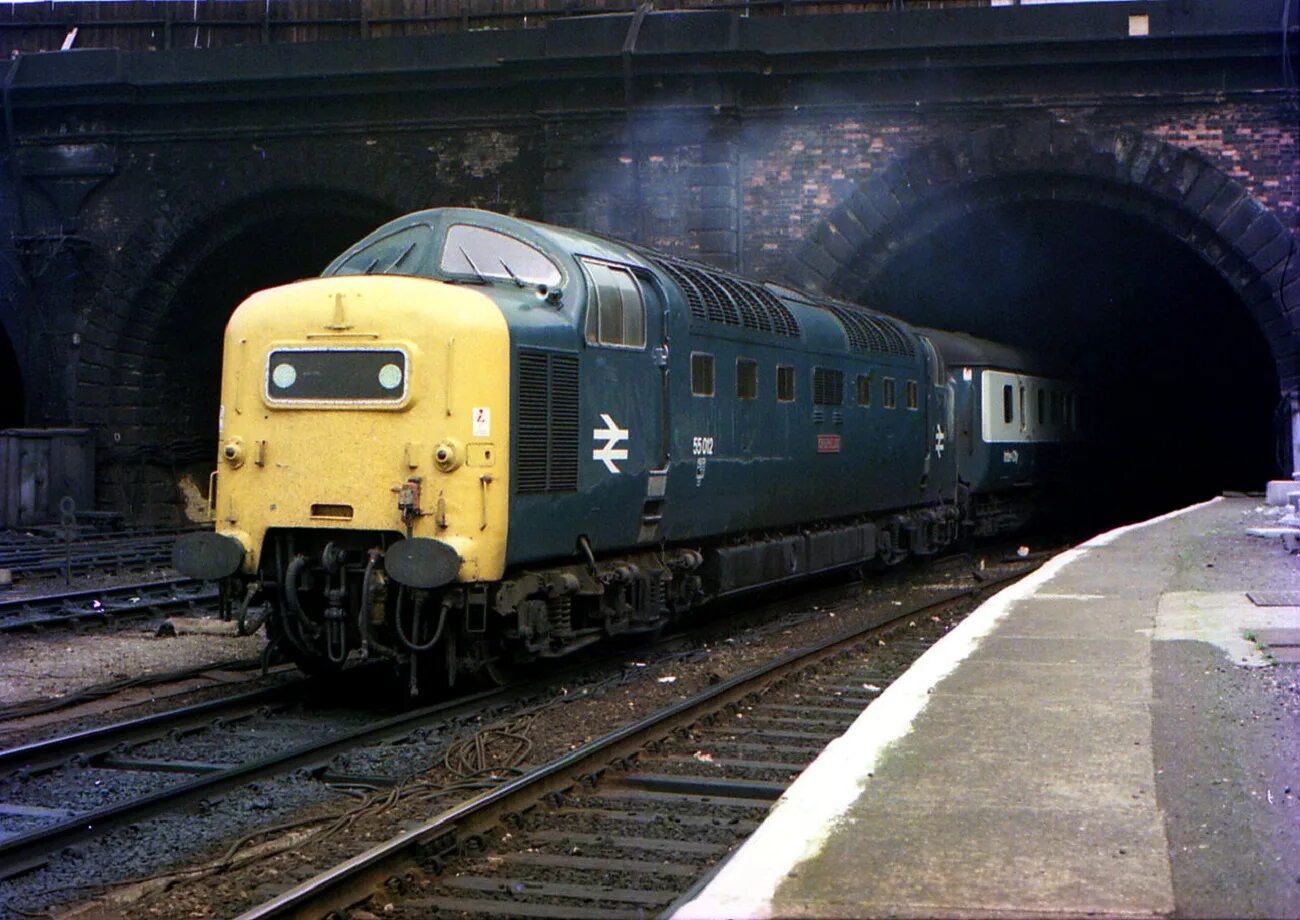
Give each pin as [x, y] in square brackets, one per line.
[546, 430]
[718, 297]
[828, 387]
[869, 332]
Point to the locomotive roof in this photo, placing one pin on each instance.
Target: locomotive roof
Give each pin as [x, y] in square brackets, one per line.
[960, 349]
[715, 297]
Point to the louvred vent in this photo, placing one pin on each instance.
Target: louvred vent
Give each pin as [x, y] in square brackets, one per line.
[546, 427]
[868, 331]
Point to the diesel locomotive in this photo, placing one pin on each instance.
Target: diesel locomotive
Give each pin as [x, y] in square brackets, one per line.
[477, 440]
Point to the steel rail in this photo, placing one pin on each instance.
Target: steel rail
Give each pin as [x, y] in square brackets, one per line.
[54, 559]
[94, 741]
[344, 884]
[61, 609]
[18, 852]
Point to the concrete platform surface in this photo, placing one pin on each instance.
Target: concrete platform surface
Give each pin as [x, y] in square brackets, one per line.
[1111, 736]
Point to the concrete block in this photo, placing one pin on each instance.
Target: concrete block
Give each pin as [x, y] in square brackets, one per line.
[1279, 491]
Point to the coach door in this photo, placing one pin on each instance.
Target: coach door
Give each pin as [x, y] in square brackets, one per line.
[625, 330]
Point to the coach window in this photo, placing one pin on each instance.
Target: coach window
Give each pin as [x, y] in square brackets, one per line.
[913, 395]
[1042, 407]
[864, 389]
[1024, 422]
[483, 254]
[701, 374]
[1008, 404]
[784, 383]
[615, 309]
[890, 398]
[746, 378]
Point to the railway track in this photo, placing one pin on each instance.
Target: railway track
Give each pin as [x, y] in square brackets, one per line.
[102, 605]
[42, 556]
[140, 798]
[70, 790]
[628, 823]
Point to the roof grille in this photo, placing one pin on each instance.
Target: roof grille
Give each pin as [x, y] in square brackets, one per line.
[717, 297]
[869, 331]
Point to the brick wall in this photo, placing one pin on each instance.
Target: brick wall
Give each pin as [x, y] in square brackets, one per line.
[771, 193]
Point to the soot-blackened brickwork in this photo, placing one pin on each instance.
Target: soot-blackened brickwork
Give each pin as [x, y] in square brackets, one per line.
[1232, 202]
[138, 231]
[181, 233]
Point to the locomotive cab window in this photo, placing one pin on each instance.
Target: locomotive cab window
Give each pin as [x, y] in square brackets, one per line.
[399, 253]
[701, 374]
[486, 255]
[615, 309]
[913, 395]
[784, 383]
[864, 389]
[889, 398]
[746, 378]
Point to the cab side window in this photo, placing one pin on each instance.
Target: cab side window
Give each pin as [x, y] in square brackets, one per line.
[615, 309]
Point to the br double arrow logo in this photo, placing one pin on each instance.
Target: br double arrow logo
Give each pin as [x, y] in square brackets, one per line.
[612, 435]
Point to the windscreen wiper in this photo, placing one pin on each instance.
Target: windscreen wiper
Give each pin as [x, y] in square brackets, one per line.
[513, 276]
[483, 279]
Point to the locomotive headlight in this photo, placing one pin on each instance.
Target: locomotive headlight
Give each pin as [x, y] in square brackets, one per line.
[448, 455]
[233, 453]
[390, 376]
[284, 375]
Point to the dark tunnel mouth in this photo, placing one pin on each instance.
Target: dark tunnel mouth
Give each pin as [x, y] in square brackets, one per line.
[1183, 386]
[13, 395]
[176, 434]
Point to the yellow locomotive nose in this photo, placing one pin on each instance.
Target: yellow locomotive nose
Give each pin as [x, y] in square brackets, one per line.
[368, 405]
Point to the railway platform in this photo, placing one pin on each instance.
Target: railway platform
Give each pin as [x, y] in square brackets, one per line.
[1116, 735]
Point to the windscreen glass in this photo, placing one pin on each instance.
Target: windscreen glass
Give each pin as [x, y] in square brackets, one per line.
[400, 253]
[485, 254]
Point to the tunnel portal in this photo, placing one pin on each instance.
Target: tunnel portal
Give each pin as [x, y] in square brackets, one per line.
[264, 245]
[1181, 386]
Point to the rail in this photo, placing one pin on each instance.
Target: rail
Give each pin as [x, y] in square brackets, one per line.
[352, 880]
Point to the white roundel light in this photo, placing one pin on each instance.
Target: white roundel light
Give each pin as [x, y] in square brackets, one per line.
[390, 376]
[284, 376]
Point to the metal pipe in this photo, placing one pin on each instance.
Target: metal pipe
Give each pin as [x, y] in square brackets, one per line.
[363, 617]
[420, 598]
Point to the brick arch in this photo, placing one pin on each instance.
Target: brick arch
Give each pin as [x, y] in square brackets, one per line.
[150, 352]
[1181, 192]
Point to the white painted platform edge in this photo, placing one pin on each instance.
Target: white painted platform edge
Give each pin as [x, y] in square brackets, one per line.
[799, 824]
